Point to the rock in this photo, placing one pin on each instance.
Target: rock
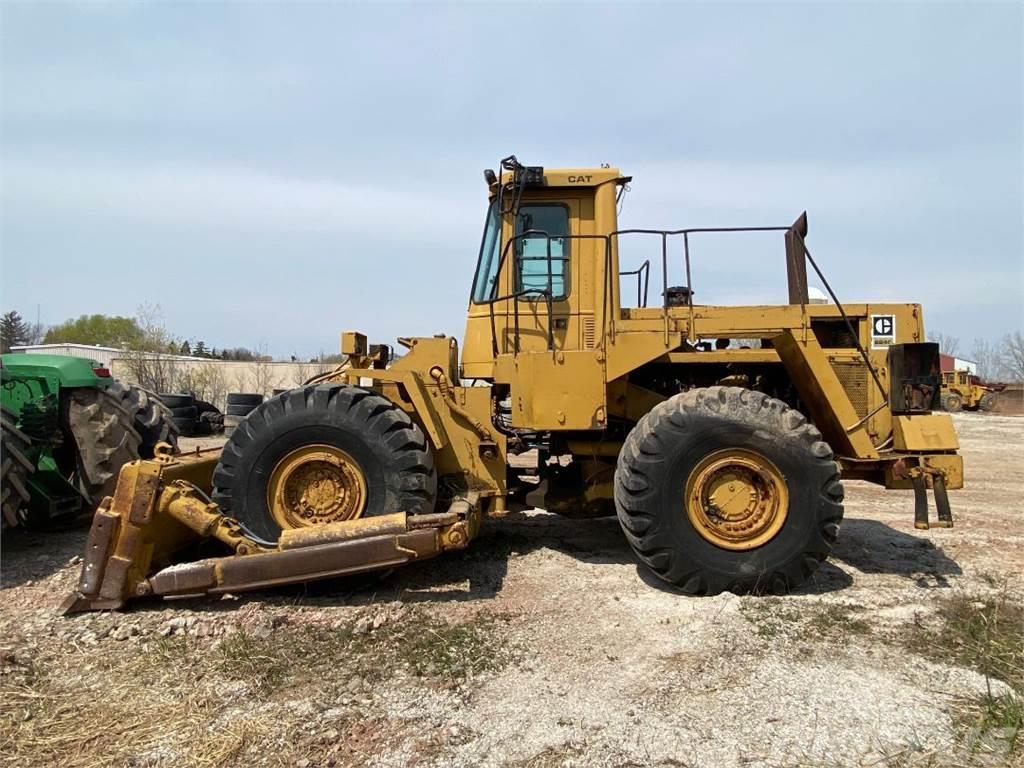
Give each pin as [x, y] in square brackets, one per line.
[379, 620]
[76, 560]
[303, 763]
[262, 629]
[331, 734]
[363, 626]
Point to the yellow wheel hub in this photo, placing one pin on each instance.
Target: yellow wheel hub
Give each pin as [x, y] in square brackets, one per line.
[316, 485]
[736, 499]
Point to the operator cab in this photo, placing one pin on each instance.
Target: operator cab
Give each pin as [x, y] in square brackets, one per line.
[540, 276]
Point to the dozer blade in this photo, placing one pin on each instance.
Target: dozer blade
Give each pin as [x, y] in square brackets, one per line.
[161, 506]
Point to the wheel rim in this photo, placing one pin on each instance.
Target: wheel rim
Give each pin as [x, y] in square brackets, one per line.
[736, 499]
[316, 485]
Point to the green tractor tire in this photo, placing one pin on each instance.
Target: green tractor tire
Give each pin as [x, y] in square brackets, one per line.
[15, 468]
[111, 427]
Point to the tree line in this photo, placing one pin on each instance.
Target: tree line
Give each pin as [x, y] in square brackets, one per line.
[137, 334]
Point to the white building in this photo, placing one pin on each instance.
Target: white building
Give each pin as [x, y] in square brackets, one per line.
[105, 356]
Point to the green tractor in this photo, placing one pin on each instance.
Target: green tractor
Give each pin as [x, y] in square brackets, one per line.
[67, 428]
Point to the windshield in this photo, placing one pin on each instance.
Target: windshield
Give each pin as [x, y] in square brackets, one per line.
[487, 266]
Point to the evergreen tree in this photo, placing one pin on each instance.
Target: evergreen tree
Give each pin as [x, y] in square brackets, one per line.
[14, 331]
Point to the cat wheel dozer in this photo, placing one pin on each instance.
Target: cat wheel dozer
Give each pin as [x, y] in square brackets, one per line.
[719, 435]
[962, 390]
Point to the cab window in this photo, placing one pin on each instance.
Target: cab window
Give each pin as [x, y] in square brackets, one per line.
[543, 223]
[487, 266]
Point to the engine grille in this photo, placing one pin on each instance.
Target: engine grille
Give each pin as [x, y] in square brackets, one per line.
[854, 378]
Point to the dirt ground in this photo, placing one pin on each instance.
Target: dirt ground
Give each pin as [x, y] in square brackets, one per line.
[542, 645]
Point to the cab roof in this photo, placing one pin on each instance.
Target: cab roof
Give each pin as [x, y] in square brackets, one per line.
[574, 177]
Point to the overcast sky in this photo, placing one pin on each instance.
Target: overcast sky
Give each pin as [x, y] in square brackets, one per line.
[270, 174]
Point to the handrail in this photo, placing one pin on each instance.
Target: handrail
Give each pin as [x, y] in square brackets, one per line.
[608, 319]
[643, 273]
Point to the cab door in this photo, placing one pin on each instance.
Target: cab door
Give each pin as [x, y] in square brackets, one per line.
[543, 275]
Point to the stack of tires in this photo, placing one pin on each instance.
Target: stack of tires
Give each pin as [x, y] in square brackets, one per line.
[240, 405]
[192, 417]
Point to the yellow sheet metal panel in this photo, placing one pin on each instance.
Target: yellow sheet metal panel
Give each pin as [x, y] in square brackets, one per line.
[925, 432]
[559, 390]
[824, 395]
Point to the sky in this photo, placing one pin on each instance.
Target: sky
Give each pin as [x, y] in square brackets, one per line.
[270, 174]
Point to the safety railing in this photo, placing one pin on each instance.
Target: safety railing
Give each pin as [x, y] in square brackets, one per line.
[643, 281]
[797, 253]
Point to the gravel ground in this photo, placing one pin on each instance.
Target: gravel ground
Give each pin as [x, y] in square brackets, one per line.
[541, 645]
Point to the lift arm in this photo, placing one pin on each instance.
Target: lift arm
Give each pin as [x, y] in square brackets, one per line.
[161, 506]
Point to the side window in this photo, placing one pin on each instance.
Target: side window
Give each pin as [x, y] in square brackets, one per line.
[532, 261]
[487, 265]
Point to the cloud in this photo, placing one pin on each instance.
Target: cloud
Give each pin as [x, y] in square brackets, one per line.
[232, 198]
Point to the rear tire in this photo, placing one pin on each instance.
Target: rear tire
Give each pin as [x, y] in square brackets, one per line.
[15, 467]
[987, 402]
[667, 450]
[385, 445]
[151, 418]
[113, 426]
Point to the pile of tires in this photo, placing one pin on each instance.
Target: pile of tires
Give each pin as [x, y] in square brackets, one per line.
[240, 405]
[191, 416]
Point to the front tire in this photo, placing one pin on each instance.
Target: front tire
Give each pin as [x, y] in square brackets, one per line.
[725, 488]
[321, 454]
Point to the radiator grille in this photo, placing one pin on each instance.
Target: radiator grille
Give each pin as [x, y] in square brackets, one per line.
[588, 332]
[854, 378]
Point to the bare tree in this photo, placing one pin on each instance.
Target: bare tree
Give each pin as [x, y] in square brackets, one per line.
[261, 375]
[303, 372]
[986, 356]
[153, 364]
[215, 384]
[948, 345]
[1011, 356]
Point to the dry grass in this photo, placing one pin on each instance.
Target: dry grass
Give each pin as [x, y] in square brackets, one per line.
[186, 701]
[781, 617]
[985, 634]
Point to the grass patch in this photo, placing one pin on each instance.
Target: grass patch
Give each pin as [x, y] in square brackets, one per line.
[777, 617]
[980, 633]
[452, 650]
[985, 634]
[838, 620]
[992, 724]
[189, 701]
